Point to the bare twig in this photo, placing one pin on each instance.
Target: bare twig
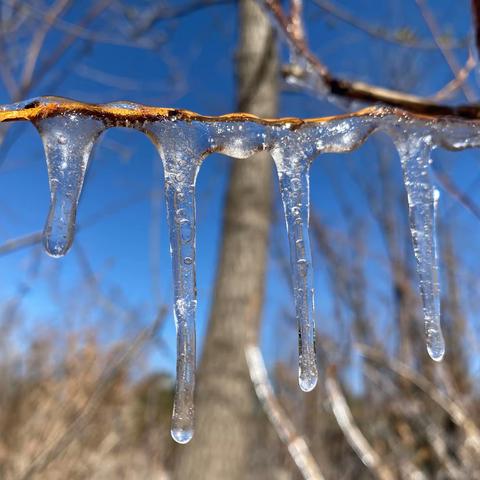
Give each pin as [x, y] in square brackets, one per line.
[18, 243]
[458, 81]
[162, 12]
[435, 437]
[476, 22]
[448, 184]
[295, 443]
[449, 405]
[354, 436]
[446, 52]
[379, 32]
[296, 20]
[317, 77]
[34, 238]
[37, 42]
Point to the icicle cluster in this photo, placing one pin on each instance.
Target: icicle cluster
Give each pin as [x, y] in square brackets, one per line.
[183, 140]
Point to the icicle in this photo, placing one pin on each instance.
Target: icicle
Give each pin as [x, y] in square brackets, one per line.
[293, 174]
[182, 150]
[414, 151]
[68, 142]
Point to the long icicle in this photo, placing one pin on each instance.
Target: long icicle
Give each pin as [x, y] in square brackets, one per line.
[68, 142]
[180, 197]
[181, 162]
[293, 174]
[414, 151]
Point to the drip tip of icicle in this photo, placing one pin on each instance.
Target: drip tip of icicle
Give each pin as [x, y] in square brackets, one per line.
[437, 350]
[55, 249]
[308, 381]
[181, 436]
[59, 229]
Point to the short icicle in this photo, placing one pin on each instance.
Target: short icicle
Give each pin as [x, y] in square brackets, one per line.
[181, 156]
[68, 141]
[414, 151]
[293, 173]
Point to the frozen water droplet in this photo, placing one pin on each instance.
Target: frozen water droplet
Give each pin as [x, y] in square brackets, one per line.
[68, 142]
[414, 151]
[293, 174]
[307, 380]
[181, 436]
[436, 347]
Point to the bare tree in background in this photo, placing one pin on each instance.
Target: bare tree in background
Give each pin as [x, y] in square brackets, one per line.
[412, 419]
[225, 403]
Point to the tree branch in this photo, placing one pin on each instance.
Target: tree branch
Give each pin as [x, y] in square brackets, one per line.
[378, 32]
[353, 434]
[317, 76]
[295, 443]
[446, 52]
[456, 412]
[476, 22]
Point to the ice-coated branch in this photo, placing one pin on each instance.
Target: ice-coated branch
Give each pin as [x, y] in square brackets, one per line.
[452, 407]
[183, 138]
[295, 443]
[130, 114]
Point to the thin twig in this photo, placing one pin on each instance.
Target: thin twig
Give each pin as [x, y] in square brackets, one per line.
[296, 20]
[449, 405]
[317, 77]
[379, 32]
[476, 22]
[463, 198]
[295, 443]
[458, 81]
[446, 52]
[369, 457]
[38, 40]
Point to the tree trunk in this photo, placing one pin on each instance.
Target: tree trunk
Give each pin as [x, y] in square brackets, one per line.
[225, 402]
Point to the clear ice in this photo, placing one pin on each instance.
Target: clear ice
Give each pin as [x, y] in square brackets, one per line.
[68, 142]
[293, 151]
[293, 174]
[182, 147]
[414, 150]
[182, 144]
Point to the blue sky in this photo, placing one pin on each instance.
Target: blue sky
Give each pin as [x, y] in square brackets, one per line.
[194, 70]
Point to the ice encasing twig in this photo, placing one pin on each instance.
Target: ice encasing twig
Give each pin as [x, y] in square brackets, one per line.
[68, 142]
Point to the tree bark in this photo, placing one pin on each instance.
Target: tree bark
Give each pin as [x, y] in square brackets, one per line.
[225, 402]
